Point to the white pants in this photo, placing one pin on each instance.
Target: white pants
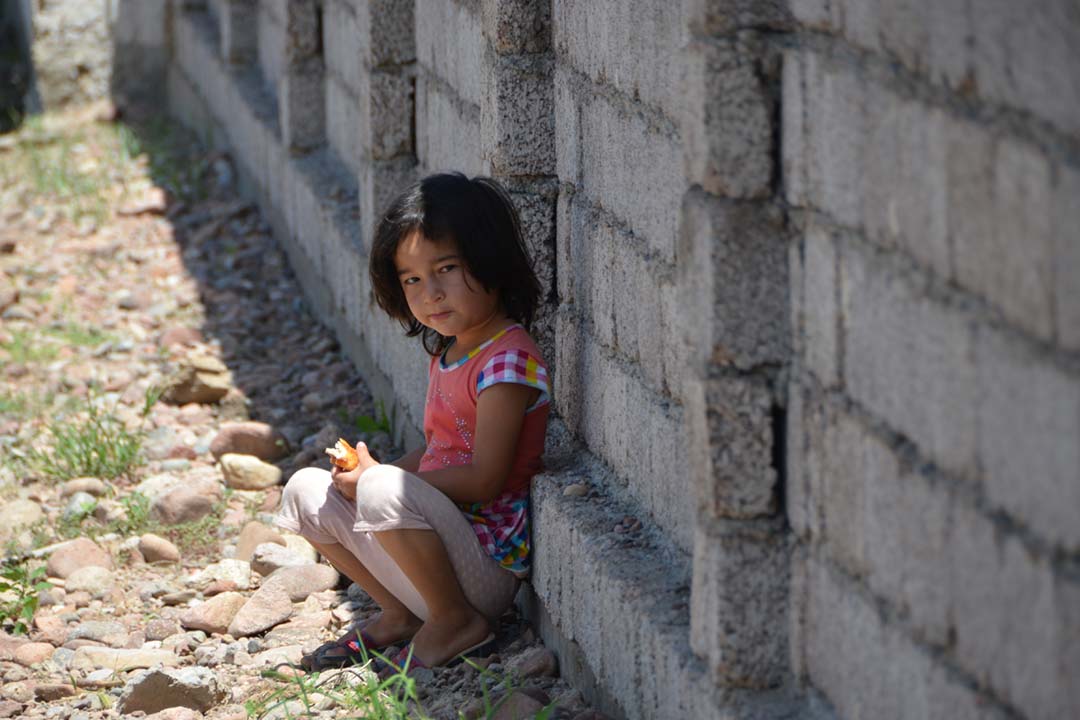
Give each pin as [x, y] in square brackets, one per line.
[388, 498]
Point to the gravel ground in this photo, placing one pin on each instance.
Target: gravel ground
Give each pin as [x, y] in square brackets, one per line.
[129, 269]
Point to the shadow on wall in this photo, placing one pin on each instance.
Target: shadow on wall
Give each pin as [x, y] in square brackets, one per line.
[18, 95]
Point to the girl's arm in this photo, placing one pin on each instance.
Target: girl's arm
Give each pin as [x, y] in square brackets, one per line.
[409, 462]
[500, 413]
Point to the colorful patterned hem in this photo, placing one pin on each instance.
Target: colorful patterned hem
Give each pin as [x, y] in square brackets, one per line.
[502, 527]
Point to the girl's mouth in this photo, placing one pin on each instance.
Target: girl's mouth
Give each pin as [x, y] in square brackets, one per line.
[439, 316]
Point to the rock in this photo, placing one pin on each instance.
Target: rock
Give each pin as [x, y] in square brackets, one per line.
[254, 534]
[155, 548]
[286, 654]
[576, 490]
[19, 513]
[161, 628]
[47, 692]
[179, 336]
[214, 615]
[269, 606]
[182, 505]
[299, 581]
[516, 706]
[269, 557]
[79, 506]
[160, 442]
[535, 662]
[90, 485]
[17, 690]
[249, 438]
[154, 690]
[79, 553]
[200, 379]
[32, 653]
[10, 709]
[229, 569]
[219, 586]
[92, 657]
[50, 628]
[110, 633]
[301, 547]
[93, 579]
[177, 713]
[183, 597]
[247, 472]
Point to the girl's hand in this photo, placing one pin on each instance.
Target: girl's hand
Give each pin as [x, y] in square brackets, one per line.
[345, 482]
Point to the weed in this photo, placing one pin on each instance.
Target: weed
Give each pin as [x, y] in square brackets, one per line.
[96, 443]
[19, 588]
[25, 348]
[368, 424]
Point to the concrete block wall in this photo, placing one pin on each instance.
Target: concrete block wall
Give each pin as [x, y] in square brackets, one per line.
[811, 304]
[930, 162]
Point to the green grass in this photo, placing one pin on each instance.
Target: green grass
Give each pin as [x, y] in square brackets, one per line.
[26, 347]
[172, 169]
[79, 335]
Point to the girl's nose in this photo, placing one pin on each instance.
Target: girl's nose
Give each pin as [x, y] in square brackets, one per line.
[435, 291]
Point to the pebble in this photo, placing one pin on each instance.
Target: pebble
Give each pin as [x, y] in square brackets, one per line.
[247, 472]
[252, 535]
[79, 553]
[258, 439]
[90, 485]
[269, 606]
[269, 557]
[92, 579]
[32, 653]
[155, 548]
[214, 615]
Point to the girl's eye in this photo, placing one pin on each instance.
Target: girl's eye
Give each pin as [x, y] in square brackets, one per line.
[447, 268]
[410, 281]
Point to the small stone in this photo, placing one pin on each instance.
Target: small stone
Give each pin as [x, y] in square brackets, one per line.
[516, 706]
[160, 628]
[182, 597]
[215, 614]
[92, 657]
[47, 692]
[576, 490]
[269, 606]
[155, 548]
[247, 472]
[90, 485]
[110, 633]
[219, 586]
[254, 534]
[79, 553]
[300, 581]
[269, 557]
[94, 580]
[183, 505]
[176, 713]
[33, 653]
[19, 513]
[10, 709]
[249, 438]
[535, 662]
[236, 571]
[79, 506]
[179, 336]
[154, 690]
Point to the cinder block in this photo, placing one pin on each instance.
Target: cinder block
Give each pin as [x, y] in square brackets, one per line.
[450, 45]
[386, 104]
[733, 439]
[1016, 620]
[1066, 262]
[734, 286]
[302, 106]
[568, 139]
[1029, 420]
[727, 122]
[632, 46]
[237, 30]
[1024, 55]
[271, 46]
[342, 122]
[343, 49]
[447, 130]
[723, 17]
[868, 668]
[637, 432]
[380, 182]
[1011, 262]
[909, 358]
[517, 26]
[388, 30]
[739, 590]
[517, 115]
[820, 305]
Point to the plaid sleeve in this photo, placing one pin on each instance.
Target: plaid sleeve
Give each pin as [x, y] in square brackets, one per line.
[515, 366]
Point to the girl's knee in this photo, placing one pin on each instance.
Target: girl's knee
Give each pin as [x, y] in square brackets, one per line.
[305, 484]
[379, 489]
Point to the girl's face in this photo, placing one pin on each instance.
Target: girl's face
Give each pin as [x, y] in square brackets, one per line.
[441, 292]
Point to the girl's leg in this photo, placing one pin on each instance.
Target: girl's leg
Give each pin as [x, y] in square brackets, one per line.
[452, 625]
[311, 508]
[438, 559]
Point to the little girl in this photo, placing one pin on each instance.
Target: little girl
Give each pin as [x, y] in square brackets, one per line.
[439, 538]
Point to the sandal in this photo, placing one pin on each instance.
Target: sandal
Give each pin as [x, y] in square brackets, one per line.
[406, 661]
[354, 648]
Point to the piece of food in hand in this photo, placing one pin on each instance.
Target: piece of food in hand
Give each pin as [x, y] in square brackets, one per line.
[343, 455]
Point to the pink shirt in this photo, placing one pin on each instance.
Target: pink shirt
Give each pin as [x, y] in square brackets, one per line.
[450, 412]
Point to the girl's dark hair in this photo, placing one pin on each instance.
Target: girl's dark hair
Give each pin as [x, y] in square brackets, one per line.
[479, 218]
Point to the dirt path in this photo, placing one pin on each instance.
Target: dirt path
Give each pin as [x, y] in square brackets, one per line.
[145, 311]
